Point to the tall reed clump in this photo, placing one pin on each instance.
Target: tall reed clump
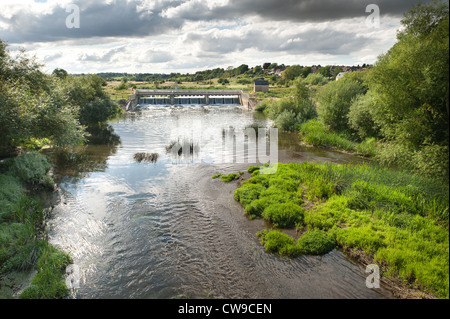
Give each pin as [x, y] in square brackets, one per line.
[396, 219]
[146, 157]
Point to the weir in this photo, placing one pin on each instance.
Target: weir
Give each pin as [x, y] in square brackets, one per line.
[187, 97]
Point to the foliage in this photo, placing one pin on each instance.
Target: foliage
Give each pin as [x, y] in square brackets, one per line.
[289, 113]
[335, 100]
[276, 242]
[360, 117]
[315, 242]
[49, 281]
[410, 86]
[86, 94]
[397, 219]
[228, 178]
[285, 215]
[23, 244]
[32, 168]
[36, 106]
[60, 73]
[316, 79]
[146, 157]
[292, 72]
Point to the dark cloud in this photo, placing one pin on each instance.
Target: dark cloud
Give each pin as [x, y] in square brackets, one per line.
[129, 18]
[121, 18]
[290, 10]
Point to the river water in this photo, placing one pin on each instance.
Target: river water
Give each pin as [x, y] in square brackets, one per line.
[167, 229]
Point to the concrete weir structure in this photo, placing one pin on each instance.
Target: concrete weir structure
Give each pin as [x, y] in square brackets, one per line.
[187, 97]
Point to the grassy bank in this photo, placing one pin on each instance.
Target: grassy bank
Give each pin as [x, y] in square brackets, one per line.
[394, 219]
[314, 133]
[23, 241]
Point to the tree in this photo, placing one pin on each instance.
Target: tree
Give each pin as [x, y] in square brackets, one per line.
[33, 105]
[411, 81]
[241, 69]
[325, 71]
[411, 88]
[258, 70]
[306, 71]
[335, 100]
[337, 70]
[60, 73]
[292, 72]
[266, 65]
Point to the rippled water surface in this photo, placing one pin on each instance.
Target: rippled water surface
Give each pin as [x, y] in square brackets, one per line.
[167, 230]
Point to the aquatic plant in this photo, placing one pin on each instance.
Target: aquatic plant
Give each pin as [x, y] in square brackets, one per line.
[146, 157]
[391, 217]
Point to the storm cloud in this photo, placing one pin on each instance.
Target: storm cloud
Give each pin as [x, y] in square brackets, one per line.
[137, 18]
[286, 10]
[188, 35]
[120, 18]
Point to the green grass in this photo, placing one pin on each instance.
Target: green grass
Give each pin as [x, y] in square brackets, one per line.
[23, 243]
[228, 178]
[397, 219]
[314, 133]
[32, 168]
[314, 242]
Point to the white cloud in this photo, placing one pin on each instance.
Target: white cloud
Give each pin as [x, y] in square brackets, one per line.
[163, 36]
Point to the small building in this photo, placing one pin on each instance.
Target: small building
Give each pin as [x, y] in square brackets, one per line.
[261, 86]
[340, 76]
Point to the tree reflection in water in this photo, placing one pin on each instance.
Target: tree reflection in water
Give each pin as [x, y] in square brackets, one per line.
[80, 160]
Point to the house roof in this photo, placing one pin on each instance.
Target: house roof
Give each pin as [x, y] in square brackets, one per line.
[261, 82]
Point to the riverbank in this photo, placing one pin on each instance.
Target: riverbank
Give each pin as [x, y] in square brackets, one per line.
[30, 268]
[378, 216]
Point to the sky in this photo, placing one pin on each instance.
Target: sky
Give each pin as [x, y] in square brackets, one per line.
[185, 36]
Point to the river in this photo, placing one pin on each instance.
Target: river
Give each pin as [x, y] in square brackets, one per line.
[168, 230]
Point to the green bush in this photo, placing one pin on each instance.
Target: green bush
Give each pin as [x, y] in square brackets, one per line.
[360, 118]
[32, 168]
[335, 100]
[286, 120]
[231, 177]
[396, 218]
[276, 242]
[316, 79]
[315, 242]
[248, 193]
[284, 215]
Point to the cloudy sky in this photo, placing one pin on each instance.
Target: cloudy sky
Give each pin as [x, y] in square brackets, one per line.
[163, 36]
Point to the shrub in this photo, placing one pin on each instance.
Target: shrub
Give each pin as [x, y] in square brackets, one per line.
[140, 157]
[316, 79]
[248, 193]
[286, 120]
[49, 282]
[315, 242]
[360, 118]
[230, 178]
[284, 215]
[335, 100]
[276, 242]
[32, 168]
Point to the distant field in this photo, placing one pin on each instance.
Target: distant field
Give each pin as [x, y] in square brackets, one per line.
[123, 94]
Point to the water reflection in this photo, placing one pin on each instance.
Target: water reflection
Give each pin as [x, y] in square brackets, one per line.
[78, 161]
[166, 229]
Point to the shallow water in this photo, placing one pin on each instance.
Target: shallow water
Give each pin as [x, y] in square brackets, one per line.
[167, 230]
